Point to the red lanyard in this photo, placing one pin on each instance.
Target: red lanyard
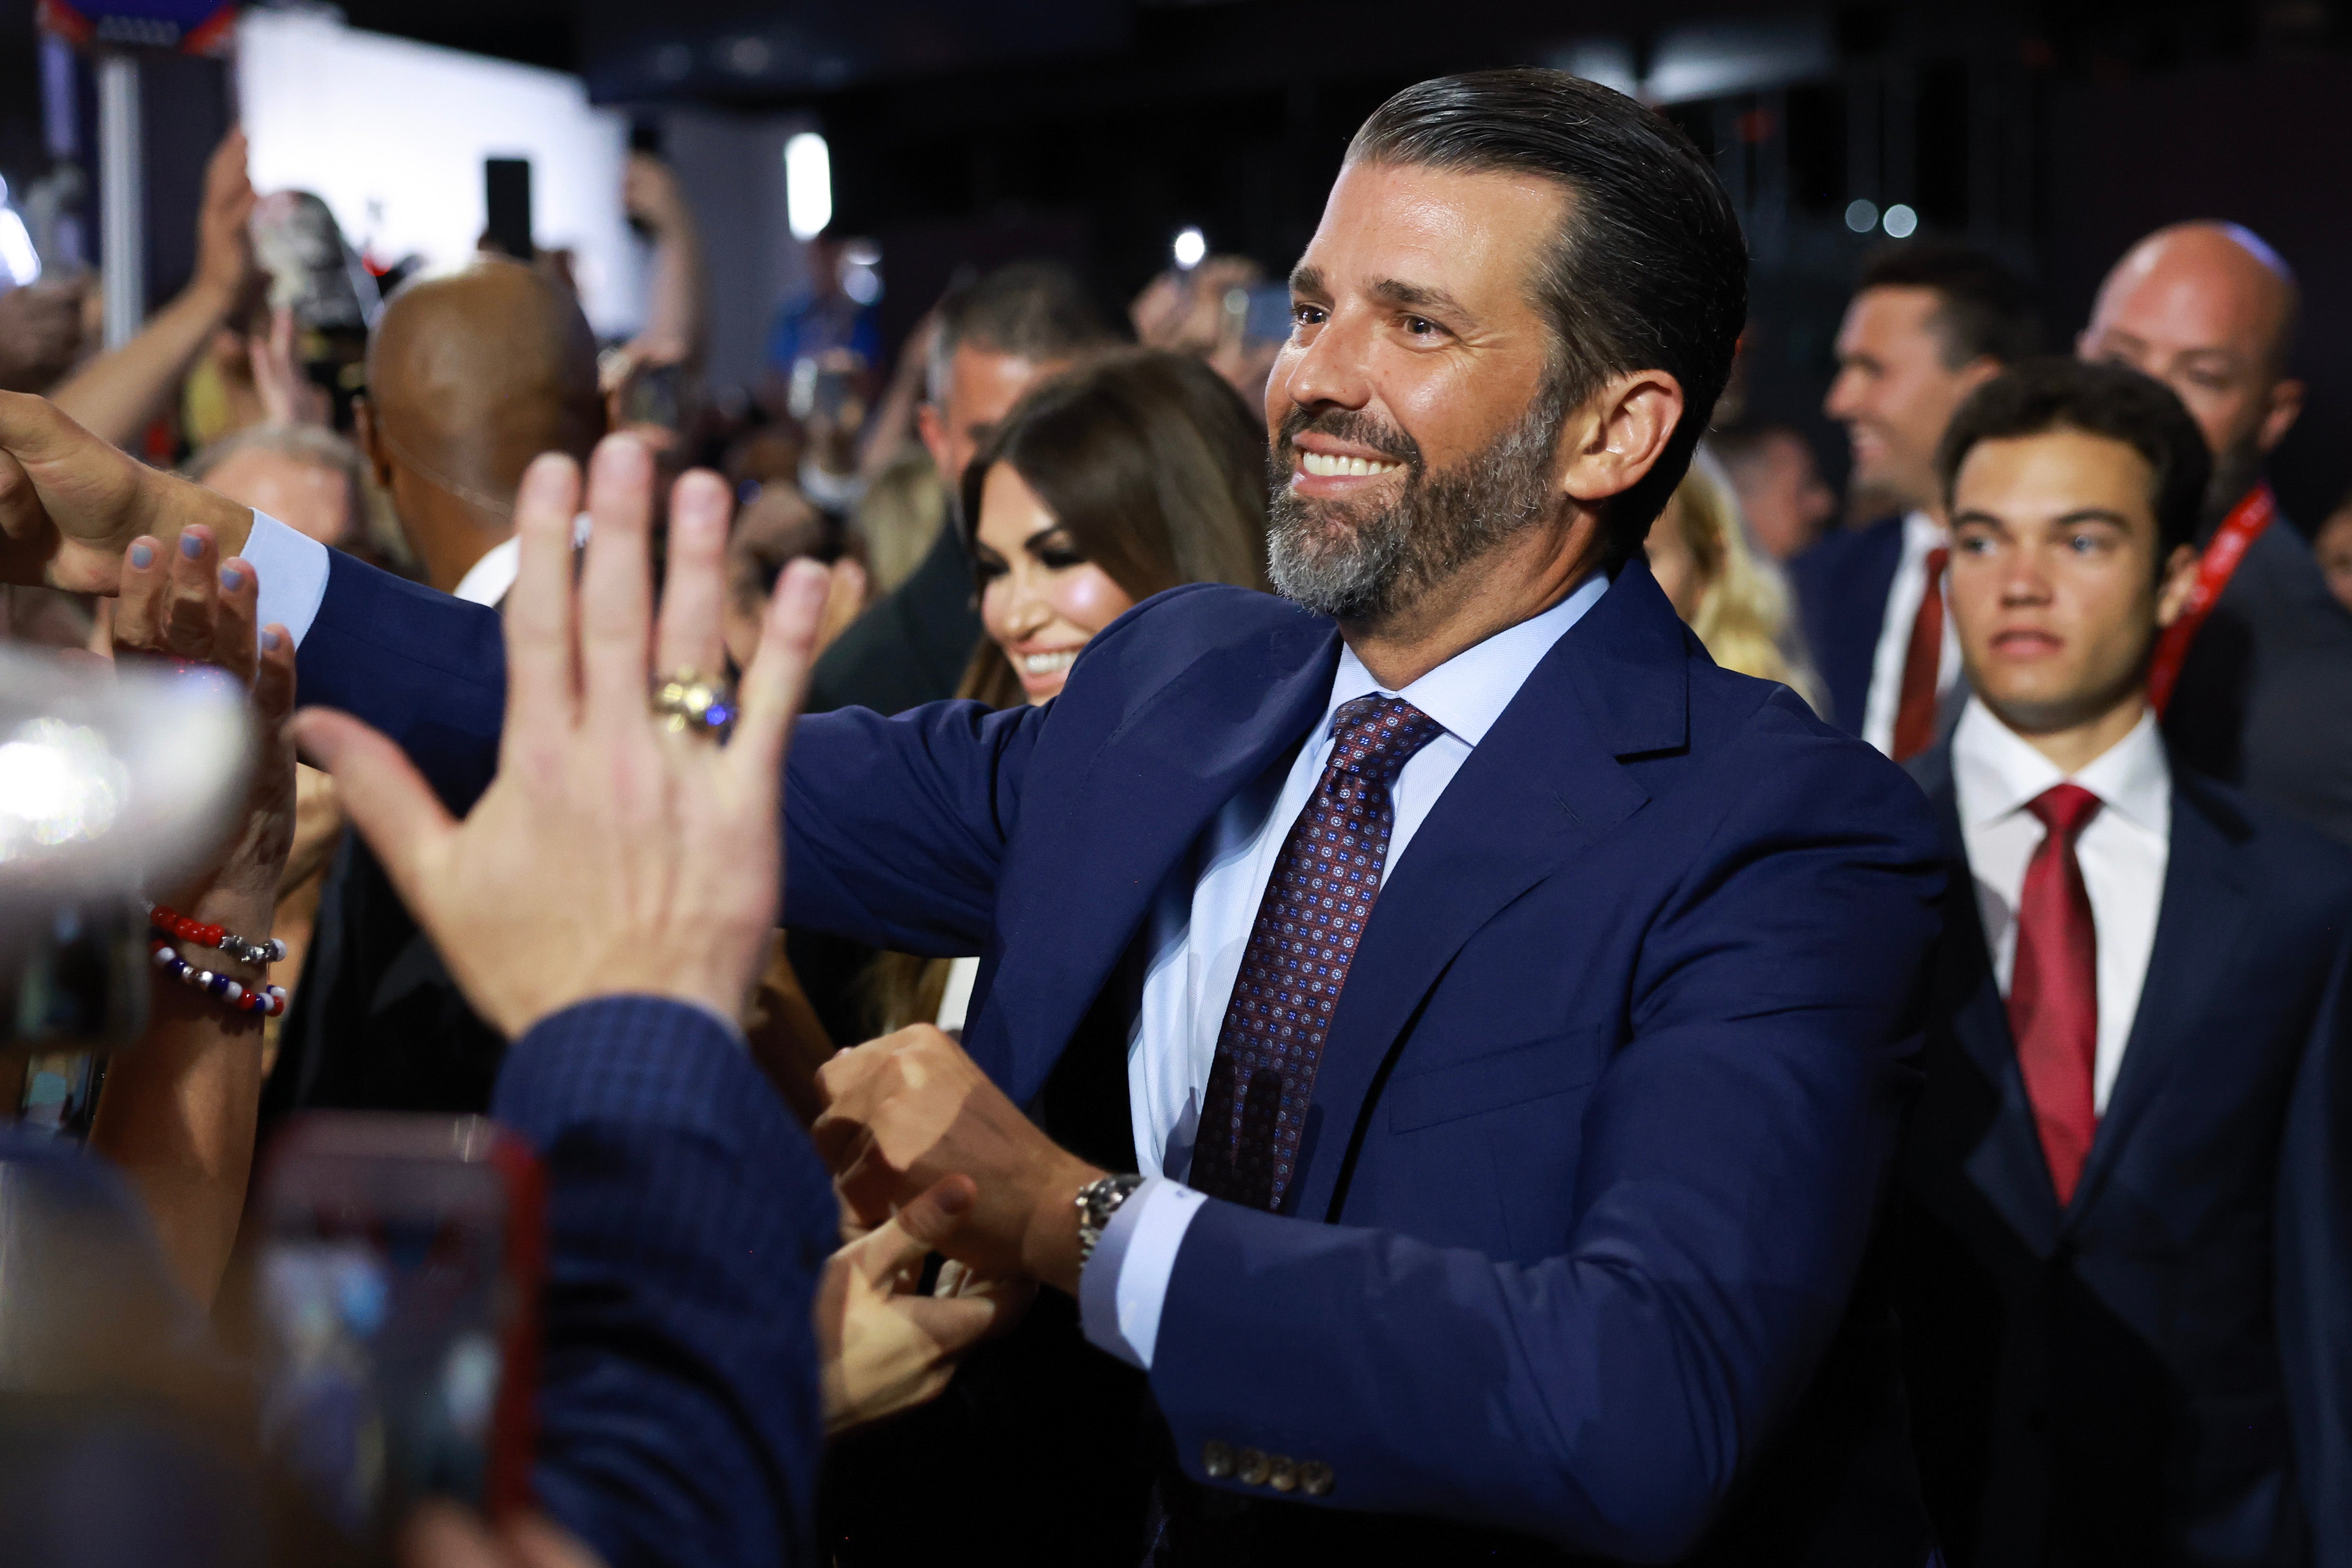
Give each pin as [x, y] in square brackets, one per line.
[2214, 569]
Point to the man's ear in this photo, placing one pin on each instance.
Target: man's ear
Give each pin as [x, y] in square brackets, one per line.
[2172, 591]
[2285, 409]
[1976, 371]
[372, 446]
[1618, 436]
[933, 429]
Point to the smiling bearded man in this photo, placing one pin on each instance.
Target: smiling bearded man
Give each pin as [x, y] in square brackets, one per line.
[1465, 1030]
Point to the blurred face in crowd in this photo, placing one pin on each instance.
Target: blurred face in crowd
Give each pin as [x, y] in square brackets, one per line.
[2333, 545]
[2054, 584]
[1895, 389]
[2198, 310]
[305, 496]
[1781, 493]
[1412, 428]
[1041, 599]
[983, 386]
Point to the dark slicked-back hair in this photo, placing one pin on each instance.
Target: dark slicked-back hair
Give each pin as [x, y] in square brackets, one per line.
[1987, 311]
[1033, 308]
[2055, 393]
[1648, 272]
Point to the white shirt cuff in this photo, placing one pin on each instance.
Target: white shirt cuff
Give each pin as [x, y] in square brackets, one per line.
[289, 571]
[1125, 1281]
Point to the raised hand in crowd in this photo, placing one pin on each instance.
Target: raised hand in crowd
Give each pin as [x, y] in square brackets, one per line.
[117, 394]
[287, 395]
[177, 1114]
[40, 333]
[610, 857]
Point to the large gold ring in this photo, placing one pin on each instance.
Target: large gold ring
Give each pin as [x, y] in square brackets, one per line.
[687, 704]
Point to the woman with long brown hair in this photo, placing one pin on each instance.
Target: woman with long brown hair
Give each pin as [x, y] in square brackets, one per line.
[1133, 474]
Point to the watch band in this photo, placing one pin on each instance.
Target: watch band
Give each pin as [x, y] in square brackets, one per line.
[1096, 1202]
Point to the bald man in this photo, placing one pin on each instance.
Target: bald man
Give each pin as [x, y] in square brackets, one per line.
[2264, 683]
[471, 375]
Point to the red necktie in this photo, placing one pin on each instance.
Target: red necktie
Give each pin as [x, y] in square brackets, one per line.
[1915, 719]
[2053, 991]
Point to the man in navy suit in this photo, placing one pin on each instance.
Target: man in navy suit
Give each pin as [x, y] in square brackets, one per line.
[2123, 1243]
[1530, 1204]
[1928, 324]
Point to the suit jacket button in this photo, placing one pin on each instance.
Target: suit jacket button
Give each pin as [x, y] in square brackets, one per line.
[1250, 1470]
[1315, 1478]
[1216, 1460]
[1281, 1473]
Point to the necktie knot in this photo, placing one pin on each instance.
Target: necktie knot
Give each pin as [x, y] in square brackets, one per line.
[1938, 559]
[2064, 809]
[1375, 736]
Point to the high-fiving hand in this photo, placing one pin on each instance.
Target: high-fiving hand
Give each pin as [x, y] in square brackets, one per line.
[609, 856]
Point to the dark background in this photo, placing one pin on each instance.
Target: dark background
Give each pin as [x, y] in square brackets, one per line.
[2053, 133]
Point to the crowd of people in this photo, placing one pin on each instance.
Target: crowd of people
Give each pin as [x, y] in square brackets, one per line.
[1392, 944]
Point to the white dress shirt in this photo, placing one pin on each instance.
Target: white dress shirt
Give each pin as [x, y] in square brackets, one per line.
[1200, 924]
[1199, 929]
[485, 582]
[1921, 534]
[2123, 851]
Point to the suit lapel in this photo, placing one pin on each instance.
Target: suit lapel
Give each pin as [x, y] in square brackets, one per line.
[2007, 1164]
[2208, 898]
[1122, 822]
[1541, 787]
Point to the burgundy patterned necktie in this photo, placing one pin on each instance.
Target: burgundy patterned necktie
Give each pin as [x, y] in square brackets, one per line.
[2053, 988]
[1307, 927]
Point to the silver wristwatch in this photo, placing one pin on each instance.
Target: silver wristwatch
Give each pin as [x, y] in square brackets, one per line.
[1097, 1201]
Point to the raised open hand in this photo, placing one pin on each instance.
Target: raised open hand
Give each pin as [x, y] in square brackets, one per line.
[611, 855]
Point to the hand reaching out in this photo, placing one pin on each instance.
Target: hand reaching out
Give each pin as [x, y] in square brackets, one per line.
[609, 856]
[70, 504]
[177, 1115]
[884, 1348]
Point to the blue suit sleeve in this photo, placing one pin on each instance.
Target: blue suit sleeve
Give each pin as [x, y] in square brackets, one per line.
[895, 828]
[689, 1220]
[2315, 1271]
[428, 670]
[1733, 1161]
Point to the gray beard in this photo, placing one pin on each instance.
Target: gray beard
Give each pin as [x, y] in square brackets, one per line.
[2235, 472]
[1362, 563]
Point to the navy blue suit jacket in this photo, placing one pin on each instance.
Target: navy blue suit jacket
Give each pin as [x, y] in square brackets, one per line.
[1842, 585]
[1603, 1126]
[689, 1218]
[2159, 1371]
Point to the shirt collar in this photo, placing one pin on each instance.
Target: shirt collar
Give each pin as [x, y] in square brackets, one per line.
[486, 581]
[1996, 772]
[1469, 691]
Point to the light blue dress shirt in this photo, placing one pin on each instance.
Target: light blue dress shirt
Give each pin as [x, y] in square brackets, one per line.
[1200, 931]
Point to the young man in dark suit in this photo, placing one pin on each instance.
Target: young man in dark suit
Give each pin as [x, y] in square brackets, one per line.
[1929, 323]
[2122, 1257]
[1528, 1199]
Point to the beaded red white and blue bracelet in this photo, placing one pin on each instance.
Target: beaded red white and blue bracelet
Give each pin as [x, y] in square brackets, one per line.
[266, 1002]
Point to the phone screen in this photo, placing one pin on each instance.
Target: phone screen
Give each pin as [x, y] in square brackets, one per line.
[394, 1314]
